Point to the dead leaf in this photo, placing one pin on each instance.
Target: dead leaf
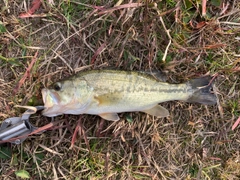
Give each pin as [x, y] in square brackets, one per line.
[99, 50]
[236, 123]
[26, 74]
[35, 6]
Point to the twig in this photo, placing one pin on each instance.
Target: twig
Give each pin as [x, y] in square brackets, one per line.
[167, 31]
[65, 62]
[230, 23]
[50, 150]
[170, 39]
[130, 5]
[166, 51]
[225, 7]
[204, 7]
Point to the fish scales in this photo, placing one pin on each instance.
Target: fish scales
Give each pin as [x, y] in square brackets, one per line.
[135, 86]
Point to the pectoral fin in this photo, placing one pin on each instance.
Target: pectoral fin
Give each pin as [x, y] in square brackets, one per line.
[108, 98]
[158, 111]
[110, 116]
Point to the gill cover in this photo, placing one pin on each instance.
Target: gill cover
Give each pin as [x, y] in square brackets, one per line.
[71, 96]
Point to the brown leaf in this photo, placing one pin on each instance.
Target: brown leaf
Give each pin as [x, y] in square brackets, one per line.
[75, 134]
[200, 24]
[236, 123]
[35, 6]
[197, 25]
[26, 74]
[99, 50]
[213, 46]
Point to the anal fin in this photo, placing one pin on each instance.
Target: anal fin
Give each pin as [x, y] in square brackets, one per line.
[110, 116]
[158, 111]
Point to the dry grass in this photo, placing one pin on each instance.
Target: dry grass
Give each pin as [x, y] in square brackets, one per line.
[195, 142]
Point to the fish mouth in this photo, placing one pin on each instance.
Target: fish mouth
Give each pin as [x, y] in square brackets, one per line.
[51, 103]
[44, 95]
[50, 98]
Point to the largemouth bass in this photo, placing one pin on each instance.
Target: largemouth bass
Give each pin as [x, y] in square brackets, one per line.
[108, 92]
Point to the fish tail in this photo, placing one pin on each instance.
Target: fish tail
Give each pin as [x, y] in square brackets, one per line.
[202, 91]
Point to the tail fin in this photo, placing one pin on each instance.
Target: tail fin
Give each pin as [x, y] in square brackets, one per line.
[202, 91]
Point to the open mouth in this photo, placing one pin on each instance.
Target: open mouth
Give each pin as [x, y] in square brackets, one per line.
[50, 98]
[44, 95]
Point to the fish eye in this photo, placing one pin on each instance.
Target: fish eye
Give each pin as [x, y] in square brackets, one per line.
[57, 86]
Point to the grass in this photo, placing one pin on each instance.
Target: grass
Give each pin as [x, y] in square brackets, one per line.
[195, 142]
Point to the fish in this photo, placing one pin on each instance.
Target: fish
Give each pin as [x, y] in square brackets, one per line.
[108, 92]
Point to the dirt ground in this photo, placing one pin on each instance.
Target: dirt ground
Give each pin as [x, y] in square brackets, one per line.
[48, 40]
